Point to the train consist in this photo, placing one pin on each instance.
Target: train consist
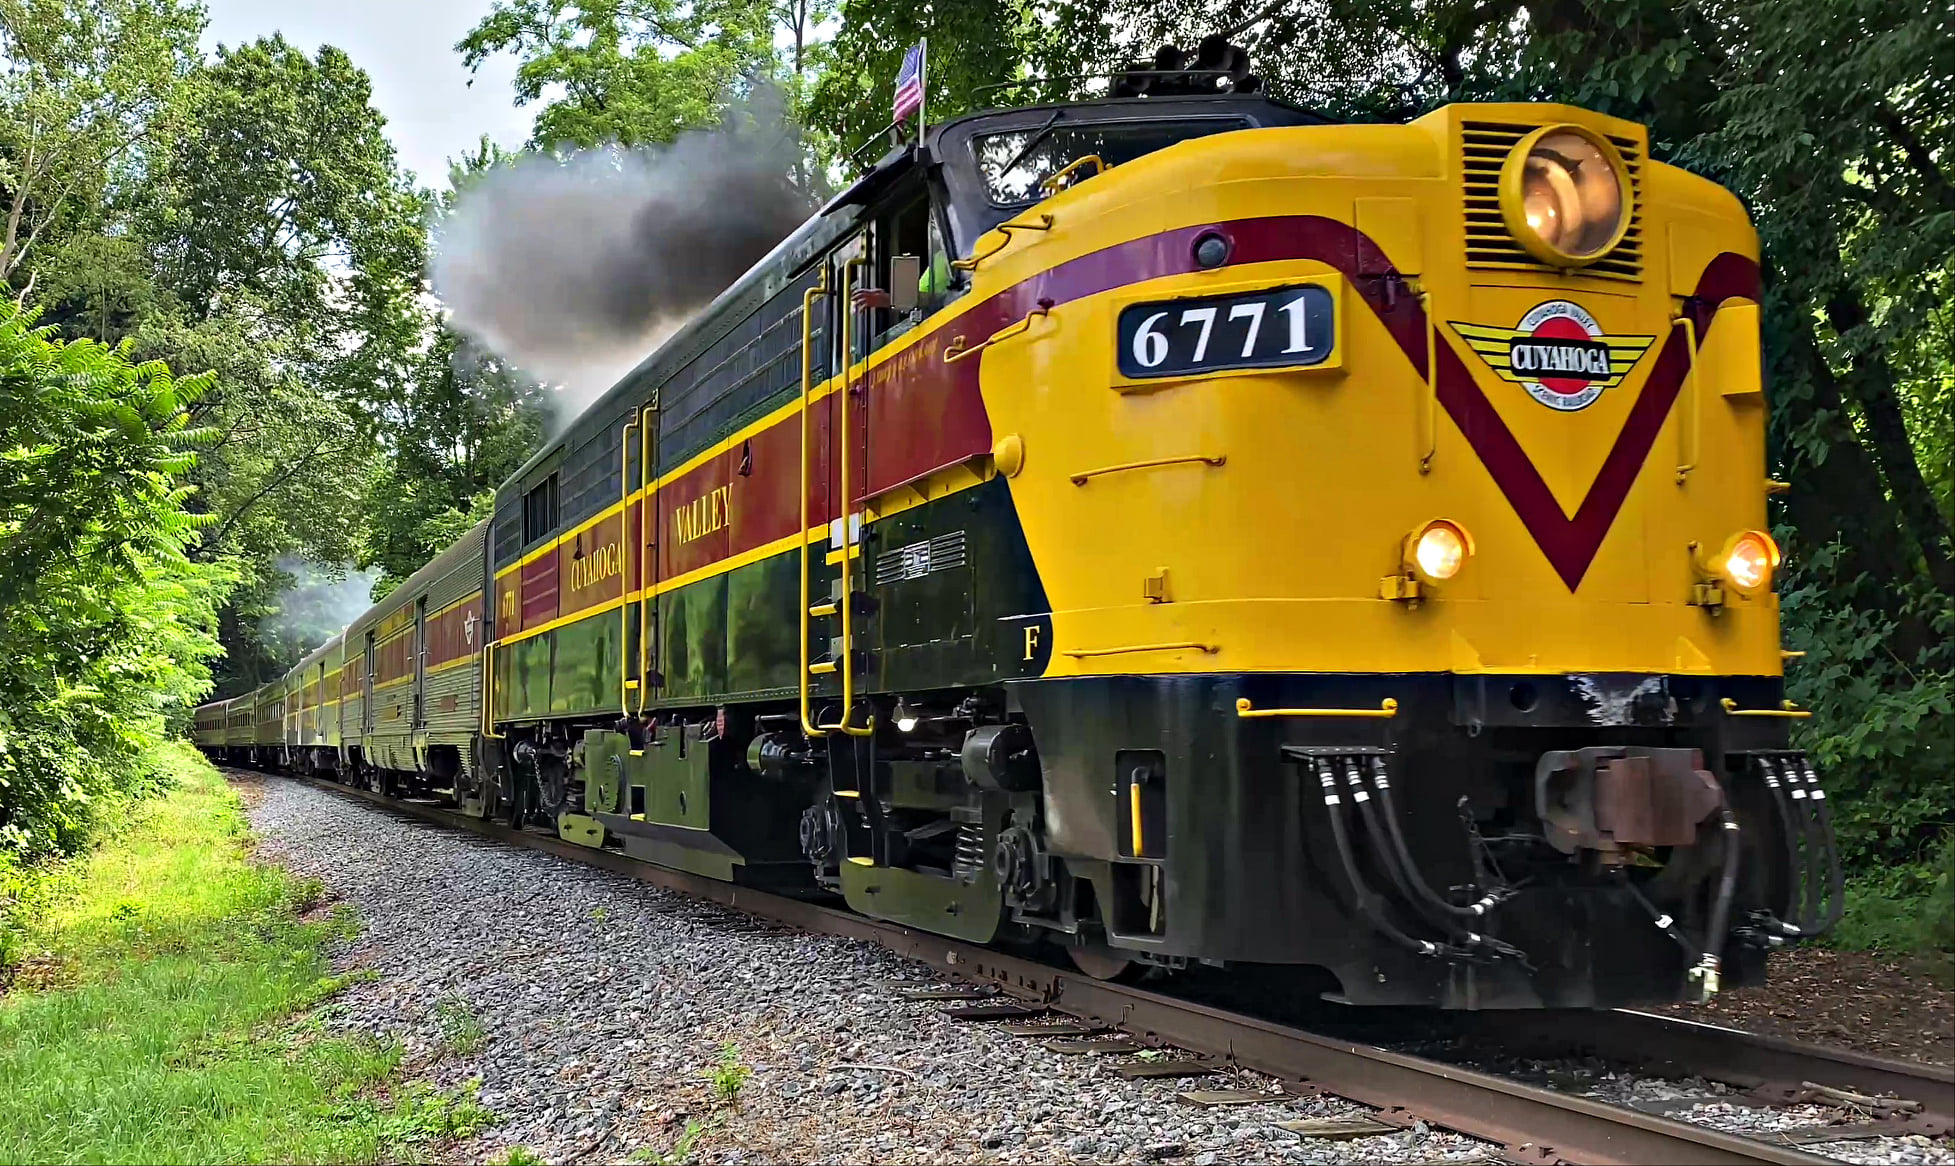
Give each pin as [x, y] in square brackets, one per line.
[1175, 528]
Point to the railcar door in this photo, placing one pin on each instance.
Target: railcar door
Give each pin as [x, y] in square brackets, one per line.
[420, 663]
[366, 691]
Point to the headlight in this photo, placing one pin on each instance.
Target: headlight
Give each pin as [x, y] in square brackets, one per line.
[1565, 196]
[1748, 560]
[1438, 550]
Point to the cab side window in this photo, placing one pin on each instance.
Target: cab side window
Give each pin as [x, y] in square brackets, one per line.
[914, 276]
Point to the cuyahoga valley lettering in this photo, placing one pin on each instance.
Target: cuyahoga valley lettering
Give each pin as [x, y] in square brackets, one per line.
[1529, 355]
[596, 567]
[703, 515]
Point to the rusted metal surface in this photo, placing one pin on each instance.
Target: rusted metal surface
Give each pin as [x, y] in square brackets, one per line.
[1529, 1124]
[1773, 1070]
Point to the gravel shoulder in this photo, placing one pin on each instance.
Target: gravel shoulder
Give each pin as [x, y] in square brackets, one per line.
[1846, 999]
[593, 1010]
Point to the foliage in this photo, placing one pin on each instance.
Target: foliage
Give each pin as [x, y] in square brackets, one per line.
[974, 44]
[626, 71]
[729, 1074]
[468, 424]
[88, 83]
[461, 1029]
[105, 622]
[151, 1021]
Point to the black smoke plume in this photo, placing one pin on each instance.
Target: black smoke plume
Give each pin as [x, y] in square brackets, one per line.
[575, 267]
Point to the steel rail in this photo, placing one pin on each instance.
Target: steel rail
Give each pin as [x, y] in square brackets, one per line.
[1531, 1125]
[1772, 1068]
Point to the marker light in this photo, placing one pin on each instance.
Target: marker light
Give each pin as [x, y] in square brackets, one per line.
[906, 718]
[1564, 194]
[1748, 560]
[1439, 550]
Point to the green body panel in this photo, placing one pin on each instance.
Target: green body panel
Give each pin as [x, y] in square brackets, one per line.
[581, 830]
[587, 676]
[604, 771]
[676, 776]
[692, 644]
[957, 618]
[713, 864]
[967, 911]
[761, 626]
[523, 680]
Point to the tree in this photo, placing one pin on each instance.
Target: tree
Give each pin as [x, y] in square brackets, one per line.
[976, 47]
[87, 84]
[631, 71]
[105, 620]
[471, 423]
[287, 248]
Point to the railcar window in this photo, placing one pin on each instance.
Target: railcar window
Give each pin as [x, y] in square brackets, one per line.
[1012, 163]
[540, 510]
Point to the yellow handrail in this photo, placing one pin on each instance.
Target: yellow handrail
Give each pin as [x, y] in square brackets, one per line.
[1088, 653]
[624, 609]
[1052, 183]
[1432, 384]
[488, 694]
[647, 576]
[1081, 478]
[1004, 229]
[1387, 708]
[845, 508]
[955, 350]
[808, 299]
[1786, 709]
[1689, 432]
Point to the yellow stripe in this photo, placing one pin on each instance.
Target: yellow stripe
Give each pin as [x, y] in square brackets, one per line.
[751, 429]
[471, 597]
[561, 621]
[394, 683]
[457, 662]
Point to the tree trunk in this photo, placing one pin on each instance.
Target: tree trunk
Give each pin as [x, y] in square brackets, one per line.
[1836, 498]
[1871, 381]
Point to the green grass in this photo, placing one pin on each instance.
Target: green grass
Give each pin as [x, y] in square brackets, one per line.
[155, 1014]
[461, 1028]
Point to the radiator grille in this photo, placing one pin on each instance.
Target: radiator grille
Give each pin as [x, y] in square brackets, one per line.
[1484, 146]
[918, 559]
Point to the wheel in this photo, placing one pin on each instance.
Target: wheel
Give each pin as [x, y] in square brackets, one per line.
[1104, 963]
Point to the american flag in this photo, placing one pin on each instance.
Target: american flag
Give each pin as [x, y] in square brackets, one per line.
[909, 82]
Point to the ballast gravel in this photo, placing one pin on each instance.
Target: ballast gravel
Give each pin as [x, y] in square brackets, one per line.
[605, 1005]
[593, 1011]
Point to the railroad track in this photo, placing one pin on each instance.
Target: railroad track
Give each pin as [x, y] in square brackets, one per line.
[1528, 1124]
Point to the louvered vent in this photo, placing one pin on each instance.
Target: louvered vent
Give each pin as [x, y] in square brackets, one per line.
[943, 553]
[1484, 146]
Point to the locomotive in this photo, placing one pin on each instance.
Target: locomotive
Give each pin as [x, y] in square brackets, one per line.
[1177, 528]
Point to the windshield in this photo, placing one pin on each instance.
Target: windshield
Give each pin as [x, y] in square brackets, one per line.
[1011, 164]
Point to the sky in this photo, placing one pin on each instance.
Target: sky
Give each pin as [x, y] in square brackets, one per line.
[408, 48]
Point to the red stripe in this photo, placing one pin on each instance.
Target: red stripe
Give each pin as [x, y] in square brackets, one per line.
[1570, 544]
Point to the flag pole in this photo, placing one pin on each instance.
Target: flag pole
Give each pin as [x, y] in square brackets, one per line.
[923, 78]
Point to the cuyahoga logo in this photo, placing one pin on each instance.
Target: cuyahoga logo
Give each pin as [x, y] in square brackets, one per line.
[1558, 353]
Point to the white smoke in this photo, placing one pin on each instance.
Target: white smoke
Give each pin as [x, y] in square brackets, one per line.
[574, 268]
[318, 604]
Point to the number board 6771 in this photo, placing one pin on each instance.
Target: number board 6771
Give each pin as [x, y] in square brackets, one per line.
[1269, 328]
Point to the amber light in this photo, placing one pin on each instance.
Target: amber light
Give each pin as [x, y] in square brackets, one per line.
[1439, 549]
[1748, 561]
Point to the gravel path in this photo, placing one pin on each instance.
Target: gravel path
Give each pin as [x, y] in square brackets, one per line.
[603, 1005]
[593, 1009]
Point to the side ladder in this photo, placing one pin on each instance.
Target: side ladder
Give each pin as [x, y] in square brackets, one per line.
[843, 660]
